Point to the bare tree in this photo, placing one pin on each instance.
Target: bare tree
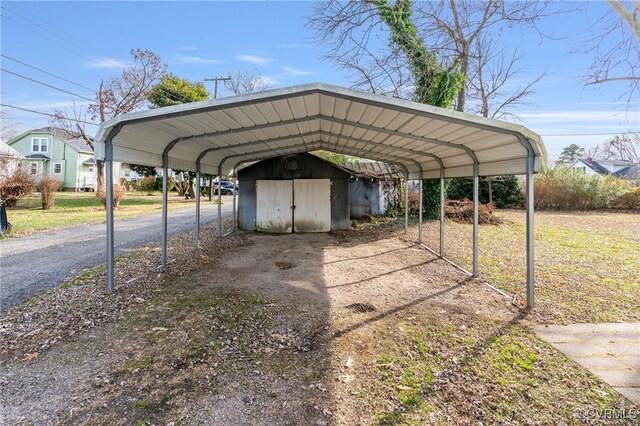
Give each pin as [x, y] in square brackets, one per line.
[121, 94]
[492, 71]
[244, 82]
[616, 48]
[622, 147]
[451, 27]
[7, 127]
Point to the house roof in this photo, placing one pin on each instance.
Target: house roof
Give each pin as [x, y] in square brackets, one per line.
[38, 157]
[593, 165]
[420, 139]
[373, 169]
[629, 173]
[8, 152]
[77, 142]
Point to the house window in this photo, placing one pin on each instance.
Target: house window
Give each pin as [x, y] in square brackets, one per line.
[34, 168]
[39, 144]
[90, 169]
[127, 173]
[57, 168]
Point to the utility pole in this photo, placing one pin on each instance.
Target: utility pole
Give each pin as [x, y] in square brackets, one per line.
[215, 86]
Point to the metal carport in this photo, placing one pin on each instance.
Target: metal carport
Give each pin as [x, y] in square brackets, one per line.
[217, 136]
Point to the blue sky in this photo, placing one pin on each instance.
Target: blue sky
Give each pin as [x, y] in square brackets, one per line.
[88, 41]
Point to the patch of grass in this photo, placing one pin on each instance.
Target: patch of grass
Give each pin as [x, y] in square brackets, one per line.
[77, 208]
[138, 365]
[140, 404]
[503, 374]
[586, 266]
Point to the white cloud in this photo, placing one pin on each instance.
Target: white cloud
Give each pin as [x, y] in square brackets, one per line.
[588, 116]
[295, 72]
[254, 59]
[104, 62]
[186, 59]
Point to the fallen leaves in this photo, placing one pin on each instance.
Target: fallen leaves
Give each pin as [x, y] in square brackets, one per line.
[30, 356]
[82, 302]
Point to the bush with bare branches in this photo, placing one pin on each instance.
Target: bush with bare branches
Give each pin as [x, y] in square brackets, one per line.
[48, 187]
[15, 186]
[569, 189]
[118, 194]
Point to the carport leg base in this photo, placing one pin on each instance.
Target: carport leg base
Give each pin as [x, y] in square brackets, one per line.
[460, 268]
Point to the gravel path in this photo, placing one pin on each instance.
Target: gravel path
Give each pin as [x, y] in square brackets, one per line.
[36, 263]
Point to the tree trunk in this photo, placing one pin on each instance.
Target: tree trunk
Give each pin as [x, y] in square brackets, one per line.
[490, 184]
[99, 176]
[211, 188]
[464, 70]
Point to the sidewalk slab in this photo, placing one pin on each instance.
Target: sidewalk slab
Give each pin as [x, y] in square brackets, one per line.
[610, 351]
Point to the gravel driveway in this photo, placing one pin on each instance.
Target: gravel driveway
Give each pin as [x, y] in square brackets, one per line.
[36, 263]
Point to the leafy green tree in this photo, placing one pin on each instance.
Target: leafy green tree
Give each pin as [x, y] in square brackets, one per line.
[570, 154]
[505, 190]
[173, 90]
[145, 171]
[332, 157]
[435, 84]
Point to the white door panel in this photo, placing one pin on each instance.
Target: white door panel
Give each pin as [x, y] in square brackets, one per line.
[273, 206]
[312, 211]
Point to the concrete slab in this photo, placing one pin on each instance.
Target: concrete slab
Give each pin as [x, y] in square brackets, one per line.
[610, 351]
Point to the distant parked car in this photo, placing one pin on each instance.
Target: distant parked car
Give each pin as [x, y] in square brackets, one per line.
[228, 188]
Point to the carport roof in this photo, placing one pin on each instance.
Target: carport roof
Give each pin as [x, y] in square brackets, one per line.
[227, 131]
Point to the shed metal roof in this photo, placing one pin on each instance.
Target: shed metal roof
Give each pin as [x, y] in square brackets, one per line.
[374, 169]
[316, 116]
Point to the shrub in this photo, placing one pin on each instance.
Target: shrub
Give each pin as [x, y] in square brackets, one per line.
[506, 190]
[148, 184]
[118, 193]
[48, 187]
[15, 186]
[431, 198]
[629, 200]
[569, 189]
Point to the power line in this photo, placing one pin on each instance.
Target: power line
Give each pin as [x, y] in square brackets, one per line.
[78, 50]
[47, 114]
[48, 73]
[47, 85]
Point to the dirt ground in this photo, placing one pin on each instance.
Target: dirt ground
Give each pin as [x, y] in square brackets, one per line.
[353, 328]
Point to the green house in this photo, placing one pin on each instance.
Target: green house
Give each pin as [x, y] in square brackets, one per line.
[69, 160]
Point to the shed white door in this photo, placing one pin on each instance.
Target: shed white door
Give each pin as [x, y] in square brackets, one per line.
[312, 211]
[274, 199]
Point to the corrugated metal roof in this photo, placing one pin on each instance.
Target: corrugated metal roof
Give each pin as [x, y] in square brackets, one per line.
[225, 132]
[375, 169]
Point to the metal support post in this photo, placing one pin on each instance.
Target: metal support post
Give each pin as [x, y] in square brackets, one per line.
[406, 202]
[420, 211]
[165, 204]
[219, 201]
[235, 193]
[530, 231]
[198, 206]
[108, 148]
[442, 212]
[476, 206]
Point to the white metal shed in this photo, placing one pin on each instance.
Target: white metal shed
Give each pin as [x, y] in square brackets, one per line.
[217, 136]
